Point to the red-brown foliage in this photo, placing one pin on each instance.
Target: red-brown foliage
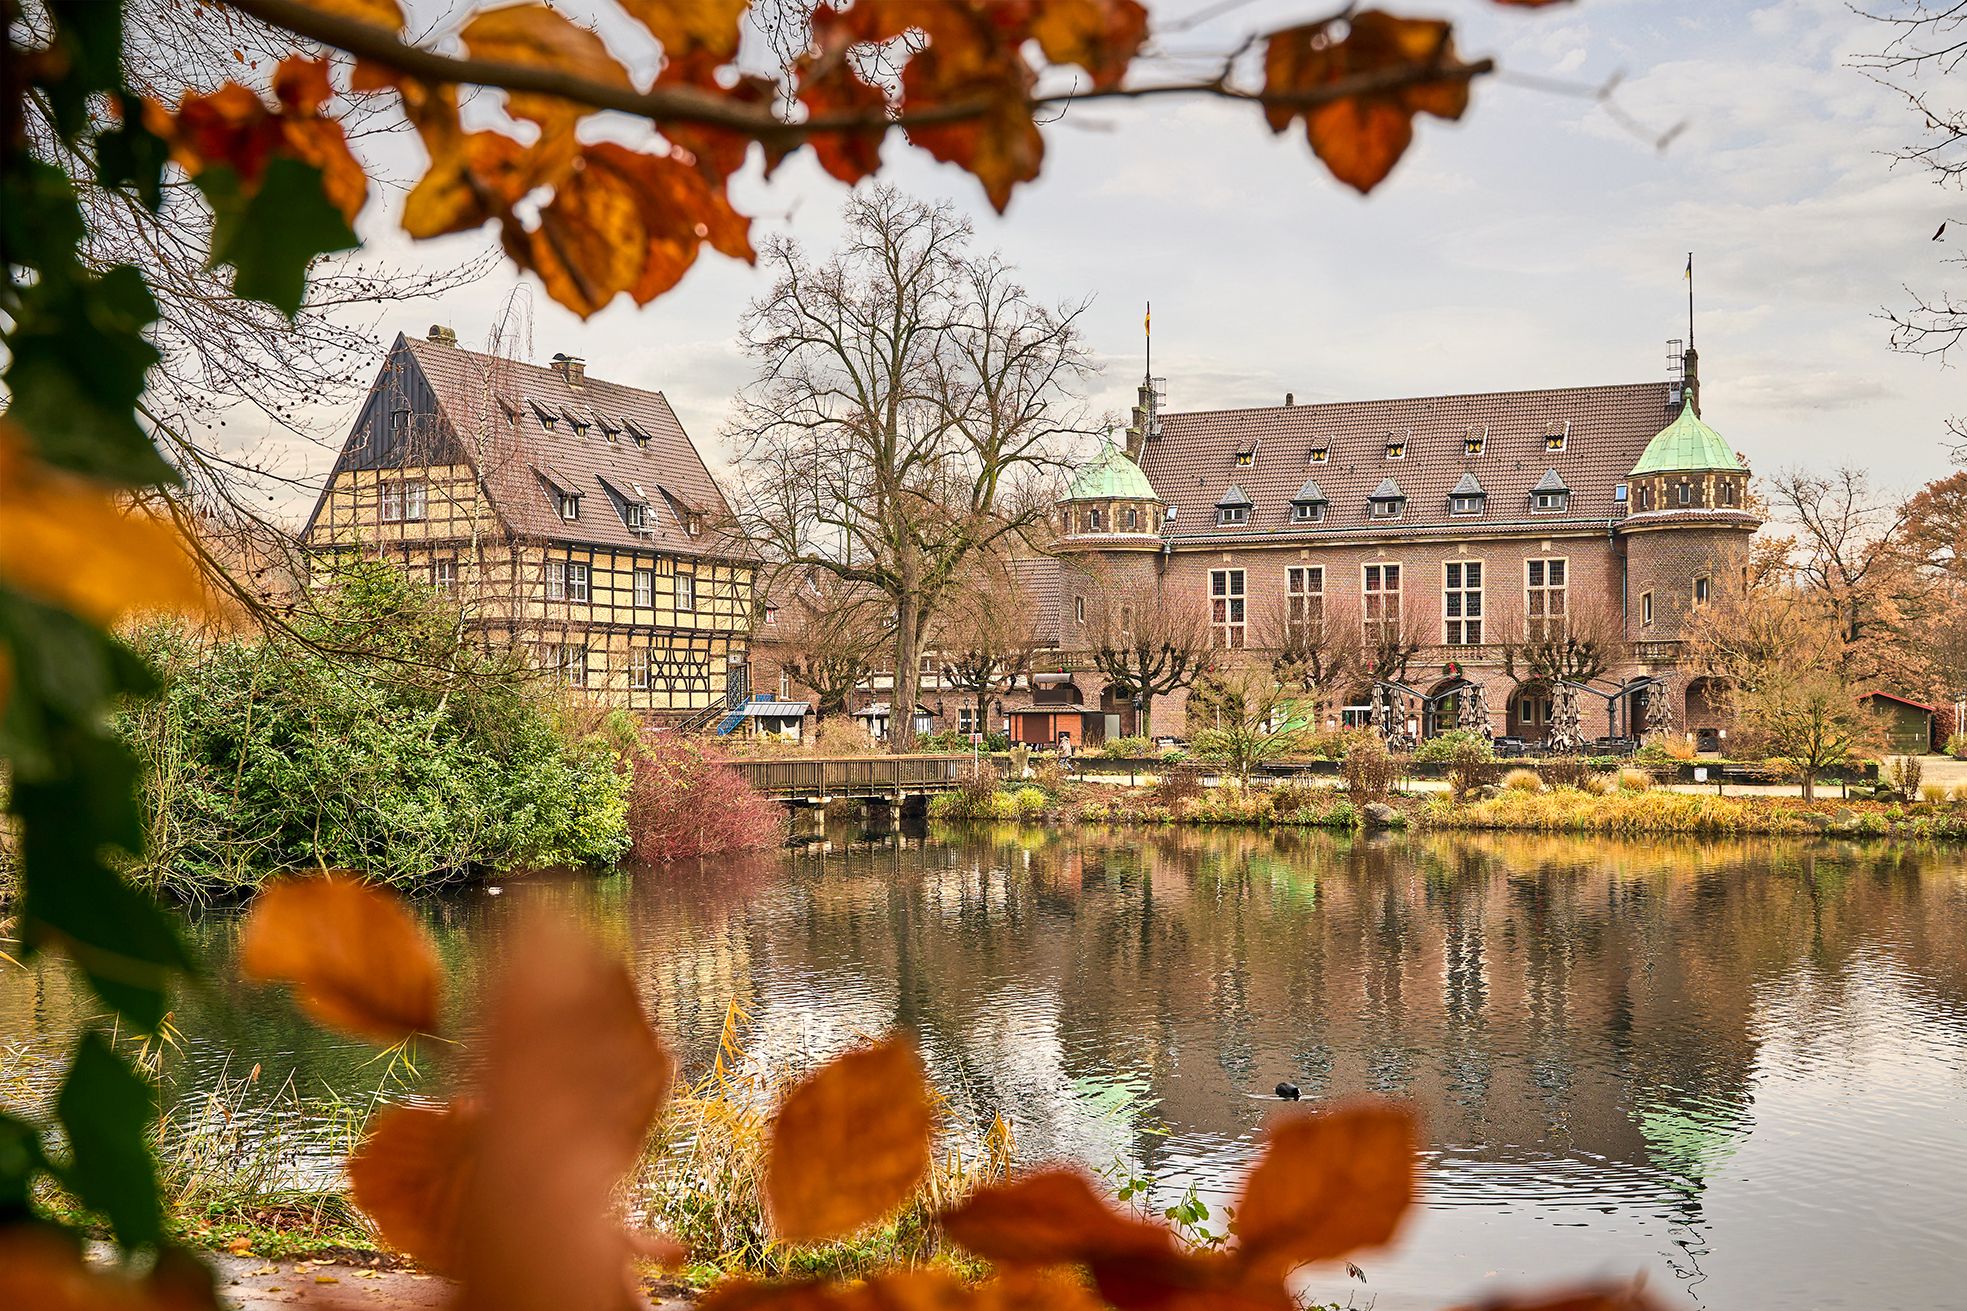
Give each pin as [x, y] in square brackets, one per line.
[686, 803]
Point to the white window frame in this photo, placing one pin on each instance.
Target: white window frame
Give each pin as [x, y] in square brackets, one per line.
[570, 506]
[1388, 508]
[1467, 504]
[1232, 514]
[1462, 613]
[638, 668]
[1540, 592]
[1683, 493]
[1229, 608]
[1396, 448]
[636, 516]
[1304, 594]
[1703, 589]
[391, 500]
[444, 573]
[643, 596]
[1549, 502]
[1374, 593]
[685, 593]
[1079, 609]
[1321, 455]
[556, 580]
[579, 578]
[1645, 609]
[1307, 512]
[573, 665]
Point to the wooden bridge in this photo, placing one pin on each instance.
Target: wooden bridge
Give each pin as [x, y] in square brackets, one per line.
[867, 778]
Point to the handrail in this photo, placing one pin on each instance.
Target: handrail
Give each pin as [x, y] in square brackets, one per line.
[855, 774]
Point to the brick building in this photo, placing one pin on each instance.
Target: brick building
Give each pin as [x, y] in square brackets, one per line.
[565, 513]
[1449, 527]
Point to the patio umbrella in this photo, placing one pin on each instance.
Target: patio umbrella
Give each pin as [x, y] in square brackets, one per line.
[1566, 737]
[1472, 714]
[1659, 710]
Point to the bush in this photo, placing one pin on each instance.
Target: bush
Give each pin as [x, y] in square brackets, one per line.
[1957, 746]
[1523, 780]
[1599, 785]
[1471, 765]
[1633, 779]
[1325, 746]
[1369, 769]
[1178, 786]
[1293, 797]
[1050, 777]
[1443, 747]
[1906, 773]
[1127, 748]
[1031, 802]
[1934, 792]
[1567, 772]
[1659, 748]
[413, 753]
[685, 804]
[844, 736]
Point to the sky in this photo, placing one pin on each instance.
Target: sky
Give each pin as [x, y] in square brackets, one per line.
[1540, 241]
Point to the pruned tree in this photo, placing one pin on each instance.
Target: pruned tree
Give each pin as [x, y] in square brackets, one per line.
[827, 634]
[1147, 643]
[1316, 646]
[985, 636]
[910, 403]
[1391, 640]
[1584, 643]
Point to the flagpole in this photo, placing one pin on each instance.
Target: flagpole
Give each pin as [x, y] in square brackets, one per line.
[1147, 331]
[1690, 300]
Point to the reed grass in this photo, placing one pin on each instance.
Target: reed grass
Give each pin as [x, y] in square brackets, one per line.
[1572, 811]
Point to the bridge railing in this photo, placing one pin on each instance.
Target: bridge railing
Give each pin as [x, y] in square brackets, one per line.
[856, 776]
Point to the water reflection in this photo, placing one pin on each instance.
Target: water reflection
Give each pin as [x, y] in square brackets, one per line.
[1739, 1066]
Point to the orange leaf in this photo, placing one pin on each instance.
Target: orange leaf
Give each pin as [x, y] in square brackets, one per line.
[534, 35]
[684, 26]
[69, 543]
[850, 1143]
[590, 244]
[1327, 1184]
[1360, 137]
[381, 13]
[410, 1175]
[1052, 1217]
[360, 961]
[40, 1269]
[571, 1081]
[831, 87]
[719, 152]
[1101, 36]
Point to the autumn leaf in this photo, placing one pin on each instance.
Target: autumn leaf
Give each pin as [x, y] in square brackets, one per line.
[1101, 36]
[847, 154]
[849, 1144]
[571, 1082]
[69, 543]
[689, 26]
[590, 245]
[1361, 136]
[380, 13]
[410, 1175]
[1629, 1296]
[359, 960]
[718, 151]
[1327, 1184]
[535, 36]
[42, 1268]
[1052, 1217]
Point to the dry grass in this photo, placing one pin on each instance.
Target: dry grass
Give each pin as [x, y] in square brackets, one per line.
[1935, 792]
[1634, 779]
[1522, 780]
[700, 1180]
[1571, 811]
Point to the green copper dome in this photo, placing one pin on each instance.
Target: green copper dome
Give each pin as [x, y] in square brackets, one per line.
[1686, 444]
[1110, 475]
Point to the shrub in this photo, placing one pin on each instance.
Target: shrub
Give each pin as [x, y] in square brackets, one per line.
[1934, 792]
[1050, 777]
[1031, 802]
[1523, 780]
[1178, 786]
[1325, 746]
[842, 736]
[1906, 773]
[1444, 746]
[1599, 785]
[1633, 779]
[1471, 764]
[1369, 769]
[1127, 748]
[1566, 772]
[1957, 746]
[1662, 747]
[1292, 797]
[684, 804]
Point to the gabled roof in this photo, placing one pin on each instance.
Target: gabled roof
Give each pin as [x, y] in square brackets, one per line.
[1310, 494]
[1610, 427]
[1550, 482]
[1388, 490]
[1235, 496]
[1468, 486]
[1686, 444]
[487, 412]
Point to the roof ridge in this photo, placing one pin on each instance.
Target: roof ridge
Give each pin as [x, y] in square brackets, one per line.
[1434, 396]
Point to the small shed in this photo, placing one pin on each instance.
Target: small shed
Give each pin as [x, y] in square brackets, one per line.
[1908, 724]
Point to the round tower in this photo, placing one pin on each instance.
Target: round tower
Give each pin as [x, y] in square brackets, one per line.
[1110, 506]
[1687, 524]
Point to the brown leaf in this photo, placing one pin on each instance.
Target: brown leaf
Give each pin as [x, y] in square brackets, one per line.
[590, 245]
[828, 87]
[1052, 1217]
[571, 1082]
[68, 542]
[381, 13]
[1327, 1184]
[718, 151]
[534, 35]
[359, 960]
[1101, 36]
[410, 1175]
[41, 1270]
[687, 26]
[677, 208]
[849, 1144]
[1360, 137]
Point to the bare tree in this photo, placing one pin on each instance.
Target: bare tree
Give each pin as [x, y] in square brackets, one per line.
[985, 636]
[1147, 643]
[827, 634]
[910, 402]
[1582, 644]
[1921, 60]
[1315, 646]
[1254, 718]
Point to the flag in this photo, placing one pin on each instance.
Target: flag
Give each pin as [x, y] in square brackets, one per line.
[1690, 266]
[1147, 321]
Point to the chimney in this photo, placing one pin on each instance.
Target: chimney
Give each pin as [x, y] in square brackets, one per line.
[1290, 399]
[572, 368]
[442, 335]
[1690, 377]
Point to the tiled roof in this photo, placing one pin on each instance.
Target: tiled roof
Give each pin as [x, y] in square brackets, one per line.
[1193, 463]
[1388, 490]
[1468, 486]
[501, 399]
[1235, 496]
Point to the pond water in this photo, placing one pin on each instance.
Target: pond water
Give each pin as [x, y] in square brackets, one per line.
[1740, 1068]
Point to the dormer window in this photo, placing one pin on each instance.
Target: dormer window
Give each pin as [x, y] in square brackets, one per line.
[1472, 443]
[1387, 500]
[1556, 434]
[570, 506]
[1550, 495]
[1386, 509]
[1232, 514]
[1320, 454]
[1246, 458]
[1467, 496]
[1307, 511]
[635, 430]
[692, 524]
[1396, 448]
[637, 518]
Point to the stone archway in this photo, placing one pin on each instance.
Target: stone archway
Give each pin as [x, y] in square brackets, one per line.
[1443, 711]
[1529, 709]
